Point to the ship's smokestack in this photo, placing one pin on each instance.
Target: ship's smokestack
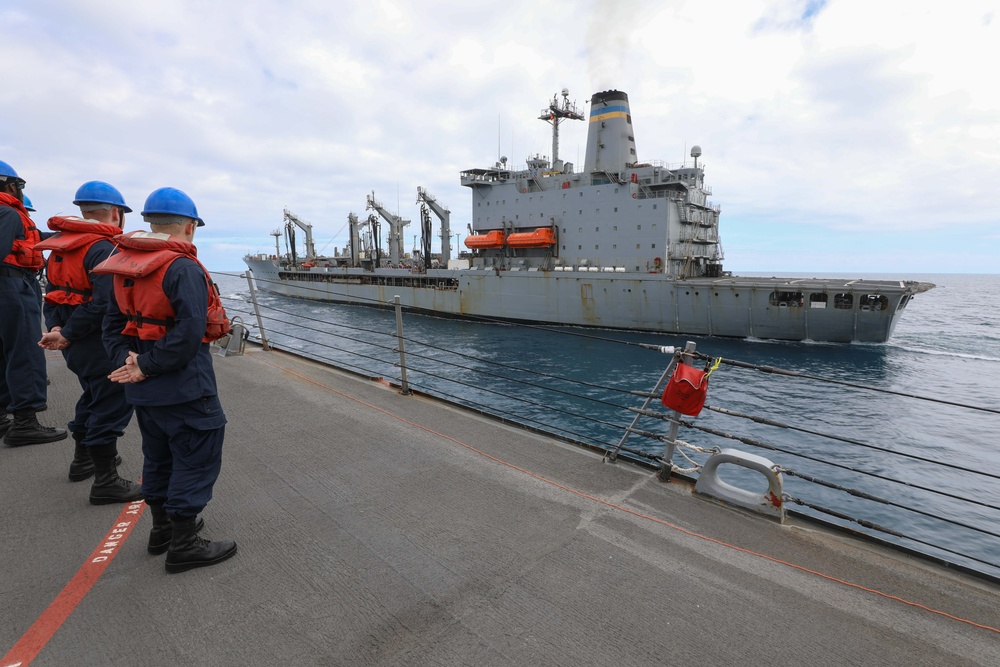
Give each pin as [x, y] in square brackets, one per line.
[610, 142]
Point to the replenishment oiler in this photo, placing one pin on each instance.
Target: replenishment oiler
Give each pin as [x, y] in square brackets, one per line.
[623, 244]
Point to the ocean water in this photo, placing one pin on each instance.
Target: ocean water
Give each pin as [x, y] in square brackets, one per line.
[933, 464]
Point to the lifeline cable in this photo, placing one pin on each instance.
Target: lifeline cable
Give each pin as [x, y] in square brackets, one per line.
[874, 526]
[850, 441]
[765, 445]
[844, 383]
[442, 349]
[441, 361]
[520, 417]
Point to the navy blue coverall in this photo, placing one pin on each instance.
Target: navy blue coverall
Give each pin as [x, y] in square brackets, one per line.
[102, 413]
[177, 405]
[22, 385]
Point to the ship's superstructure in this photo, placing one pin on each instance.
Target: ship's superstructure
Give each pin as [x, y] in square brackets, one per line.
[625, 243]
[618, 213]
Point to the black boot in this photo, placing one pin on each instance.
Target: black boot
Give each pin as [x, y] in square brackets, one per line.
[26, 430]
[162, 531]
[108, 487]
[188, 551]
[5, 423]
[82, 466]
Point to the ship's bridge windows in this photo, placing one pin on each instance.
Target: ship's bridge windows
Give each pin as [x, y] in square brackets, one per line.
[817, 300]
[783, 299]
[873, 302]
[843, 301]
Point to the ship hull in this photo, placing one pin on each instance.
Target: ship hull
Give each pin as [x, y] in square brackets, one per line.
[840, 311]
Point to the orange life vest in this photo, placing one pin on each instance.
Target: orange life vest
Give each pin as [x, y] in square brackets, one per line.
[68, 280]
[139, 268]
[23, 252]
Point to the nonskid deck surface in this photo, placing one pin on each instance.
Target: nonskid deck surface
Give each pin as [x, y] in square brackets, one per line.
[375, 528]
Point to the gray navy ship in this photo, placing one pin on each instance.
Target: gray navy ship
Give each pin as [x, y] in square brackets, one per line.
[621, 244]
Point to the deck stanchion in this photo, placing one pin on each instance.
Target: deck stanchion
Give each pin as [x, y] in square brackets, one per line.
[404, 388]
[256, 309]
[685, 357]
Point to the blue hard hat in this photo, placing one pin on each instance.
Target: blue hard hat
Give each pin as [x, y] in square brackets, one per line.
[7, 171]
[171, 201]
[99, 192]
[27, 203]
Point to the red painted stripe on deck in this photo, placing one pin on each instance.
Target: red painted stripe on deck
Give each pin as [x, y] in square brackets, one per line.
[42, 630]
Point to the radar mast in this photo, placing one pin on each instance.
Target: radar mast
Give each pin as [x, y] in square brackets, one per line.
[555, 114]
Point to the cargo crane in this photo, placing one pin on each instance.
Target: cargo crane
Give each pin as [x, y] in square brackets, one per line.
[355, 231]
[444, 215]
[292, 219]
[396, 225]
[425, 241]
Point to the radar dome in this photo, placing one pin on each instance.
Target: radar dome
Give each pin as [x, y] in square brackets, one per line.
[696, 151]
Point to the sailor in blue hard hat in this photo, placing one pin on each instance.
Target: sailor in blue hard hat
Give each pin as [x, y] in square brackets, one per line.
[28, 205]
[164, 311]
[170, 202]
[98, 196]
[23, 390]
[76, 301]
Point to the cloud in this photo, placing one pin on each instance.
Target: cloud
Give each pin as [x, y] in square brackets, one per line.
[839, 117]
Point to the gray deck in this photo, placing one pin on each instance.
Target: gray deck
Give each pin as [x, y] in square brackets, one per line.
[380, 529]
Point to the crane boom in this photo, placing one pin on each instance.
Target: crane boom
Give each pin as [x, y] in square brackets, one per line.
[444, 215]
[307, 228]
[396, 225]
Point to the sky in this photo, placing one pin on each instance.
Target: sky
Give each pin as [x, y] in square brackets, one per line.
[838, 136]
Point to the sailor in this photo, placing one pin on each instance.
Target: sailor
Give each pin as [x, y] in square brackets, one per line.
[75, 305]
[23, 381]
[163, 313]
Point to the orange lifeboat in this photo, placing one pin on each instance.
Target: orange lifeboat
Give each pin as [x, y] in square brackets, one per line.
[542, 237]
[491, 239]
